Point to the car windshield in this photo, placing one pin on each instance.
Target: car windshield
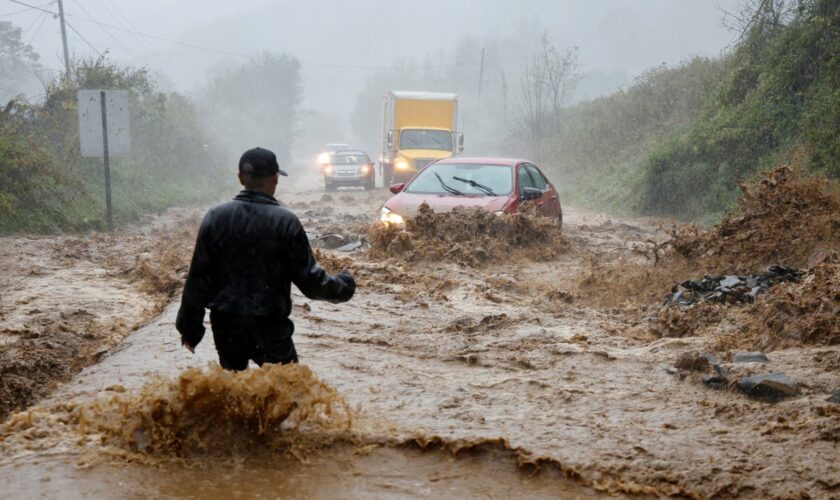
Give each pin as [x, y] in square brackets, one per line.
[467, 178]
[351, 159]
[425, 139]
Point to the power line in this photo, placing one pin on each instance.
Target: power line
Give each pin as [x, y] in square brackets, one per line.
[83, 38]
[118, 15]
[34, 7]
[202, 47]
[103, 28]
[8, 14]
[37, 30]
[223, 51]
[33, 23]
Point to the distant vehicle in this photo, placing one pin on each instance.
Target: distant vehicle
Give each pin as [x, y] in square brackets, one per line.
[329, 149]
[417, 129]
[349, 168]
[499, 185]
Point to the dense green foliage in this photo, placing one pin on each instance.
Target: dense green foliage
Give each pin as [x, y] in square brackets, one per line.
[596, 156]
[46, 186]
[679, 140]
[782, 93]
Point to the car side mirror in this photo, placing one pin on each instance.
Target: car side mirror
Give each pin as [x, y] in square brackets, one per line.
[396, 188]
[530, 193]
[460, 143]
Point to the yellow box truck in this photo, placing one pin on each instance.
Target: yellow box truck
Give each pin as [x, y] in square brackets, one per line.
[417, 129]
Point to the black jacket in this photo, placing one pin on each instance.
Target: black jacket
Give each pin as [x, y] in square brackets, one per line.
[248, 253]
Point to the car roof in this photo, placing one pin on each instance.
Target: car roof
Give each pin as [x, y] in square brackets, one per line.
[348, 152]
[487, 160]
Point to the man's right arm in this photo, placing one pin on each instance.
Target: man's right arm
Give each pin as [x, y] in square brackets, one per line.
[190, 321]
[311, 278]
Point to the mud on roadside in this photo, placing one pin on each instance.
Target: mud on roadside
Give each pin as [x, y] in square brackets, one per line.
[66, 300]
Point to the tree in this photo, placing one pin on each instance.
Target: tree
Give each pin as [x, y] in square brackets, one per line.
[547, 81]
[18, 61]
[255, 104]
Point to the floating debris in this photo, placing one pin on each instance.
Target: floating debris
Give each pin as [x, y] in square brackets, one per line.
[730, 289]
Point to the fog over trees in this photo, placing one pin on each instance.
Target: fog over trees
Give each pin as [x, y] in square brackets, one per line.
[341, 45]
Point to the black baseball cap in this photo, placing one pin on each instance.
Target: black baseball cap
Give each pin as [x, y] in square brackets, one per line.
[260, 162]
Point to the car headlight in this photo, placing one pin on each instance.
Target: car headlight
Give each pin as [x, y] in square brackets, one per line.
[365, 169]
[328, 169]
[323, 158]
[389, 217]
[401, 164]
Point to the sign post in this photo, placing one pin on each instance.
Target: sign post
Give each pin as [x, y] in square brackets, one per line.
[104, 132]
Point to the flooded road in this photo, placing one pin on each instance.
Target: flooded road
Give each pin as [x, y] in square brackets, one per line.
[505, 379]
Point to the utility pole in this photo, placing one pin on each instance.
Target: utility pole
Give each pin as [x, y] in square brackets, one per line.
[481, 73]
[64, 39]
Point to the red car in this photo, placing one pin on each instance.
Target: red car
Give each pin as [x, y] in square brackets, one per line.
[500, 185]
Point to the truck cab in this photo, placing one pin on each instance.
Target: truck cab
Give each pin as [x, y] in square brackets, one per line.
[418, 128]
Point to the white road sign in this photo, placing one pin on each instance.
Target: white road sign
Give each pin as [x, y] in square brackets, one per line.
[90, 123]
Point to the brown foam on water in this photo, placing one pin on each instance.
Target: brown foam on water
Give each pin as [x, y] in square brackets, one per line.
[468, 236]
[217, 409]
[201, 412]
[212, 417]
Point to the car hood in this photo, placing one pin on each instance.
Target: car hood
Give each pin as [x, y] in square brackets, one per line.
[407, 204]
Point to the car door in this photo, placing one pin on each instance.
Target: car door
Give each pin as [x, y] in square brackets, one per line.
[549, 203]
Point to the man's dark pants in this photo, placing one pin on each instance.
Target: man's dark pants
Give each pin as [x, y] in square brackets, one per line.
[263, 339]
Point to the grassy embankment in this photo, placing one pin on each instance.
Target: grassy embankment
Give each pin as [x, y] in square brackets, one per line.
[680, 139]
[45, 186]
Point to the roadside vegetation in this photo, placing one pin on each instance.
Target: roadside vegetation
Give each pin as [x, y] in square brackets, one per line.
[46, 186]
[679, 140]
[177, 158]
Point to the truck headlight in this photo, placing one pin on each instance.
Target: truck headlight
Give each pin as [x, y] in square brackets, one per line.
[323, 158]
[401, 164]
[328, 169]
[389, 217]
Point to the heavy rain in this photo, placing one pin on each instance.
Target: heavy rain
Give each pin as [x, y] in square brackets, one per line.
[459, 249]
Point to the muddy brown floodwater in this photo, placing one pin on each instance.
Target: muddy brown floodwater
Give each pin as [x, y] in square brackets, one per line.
[439, 379]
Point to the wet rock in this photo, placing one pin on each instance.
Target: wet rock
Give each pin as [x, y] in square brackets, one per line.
[749, 357]
[771, 386]
[834, 398]
[349, 247]
[715, 381]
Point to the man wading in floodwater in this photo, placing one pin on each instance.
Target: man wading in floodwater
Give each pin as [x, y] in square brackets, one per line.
[248, 253]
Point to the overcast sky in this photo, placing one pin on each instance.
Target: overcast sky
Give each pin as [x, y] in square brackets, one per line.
[622, 36]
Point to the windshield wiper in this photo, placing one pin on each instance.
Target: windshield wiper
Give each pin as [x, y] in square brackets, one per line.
[476, 185]
[448, 189]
